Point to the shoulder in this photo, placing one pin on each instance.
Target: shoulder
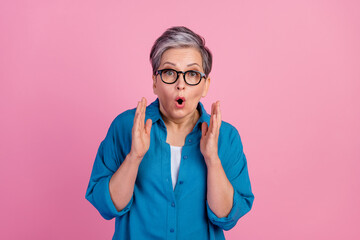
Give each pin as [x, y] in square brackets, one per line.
[125, 117]
[229, 133]
[229, 142]
[123, 122]
[231, 150]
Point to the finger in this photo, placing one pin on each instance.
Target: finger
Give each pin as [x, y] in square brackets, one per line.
[217, 107]
[148, 126]
[217, 118]
[204, 128]
[213, 128]
[137, 112]
[136, 117]
[213, 109]
[211, 116]
[218, 114]
[143, 108]
[145, 101]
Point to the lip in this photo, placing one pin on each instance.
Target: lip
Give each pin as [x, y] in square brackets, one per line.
[182, 104]
[182, 98]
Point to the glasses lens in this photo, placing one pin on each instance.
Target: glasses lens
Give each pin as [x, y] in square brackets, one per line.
[192, 77]
[168, 75]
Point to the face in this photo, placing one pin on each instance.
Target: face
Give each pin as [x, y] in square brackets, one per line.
[180, 59]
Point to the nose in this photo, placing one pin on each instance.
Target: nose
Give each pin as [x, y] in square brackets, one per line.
[180, 83]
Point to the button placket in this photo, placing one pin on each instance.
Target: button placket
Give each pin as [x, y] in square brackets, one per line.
[172, 220]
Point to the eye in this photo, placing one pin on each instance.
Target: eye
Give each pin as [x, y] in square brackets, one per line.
[169, 73]
[192, 74]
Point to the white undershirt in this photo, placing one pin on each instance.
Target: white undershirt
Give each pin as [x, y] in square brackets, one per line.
[175, 163]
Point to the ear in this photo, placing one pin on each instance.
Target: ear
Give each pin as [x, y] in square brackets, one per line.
[154, 84]
[206, 87]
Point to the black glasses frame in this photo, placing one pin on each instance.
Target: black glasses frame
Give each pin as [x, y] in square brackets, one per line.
[202, 75]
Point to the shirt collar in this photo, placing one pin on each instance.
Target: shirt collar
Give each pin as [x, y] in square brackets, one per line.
[153, 112]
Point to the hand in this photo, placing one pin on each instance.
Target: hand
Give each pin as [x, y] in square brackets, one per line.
[140, 132]
[210, 135]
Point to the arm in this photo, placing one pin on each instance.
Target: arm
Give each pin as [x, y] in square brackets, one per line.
[121, 185]
[111, 187]
[122, 182]
[219, 190]
[229, 195]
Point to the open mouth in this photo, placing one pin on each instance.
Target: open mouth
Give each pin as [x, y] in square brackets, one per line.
[180, 100]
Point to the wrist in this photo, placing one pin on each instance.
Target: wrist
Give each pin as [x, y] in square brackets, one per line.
[213, 162]
[134, 157]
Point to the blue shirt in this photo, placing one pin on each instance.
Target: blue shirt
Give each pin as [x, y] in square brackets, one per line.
[156, 211]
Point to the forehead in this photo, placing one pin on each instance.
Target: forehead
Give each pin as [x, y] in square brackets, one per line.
[181, 56]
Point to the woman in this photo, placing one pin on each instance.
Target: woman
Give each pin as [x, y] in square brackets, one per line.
[170, 170]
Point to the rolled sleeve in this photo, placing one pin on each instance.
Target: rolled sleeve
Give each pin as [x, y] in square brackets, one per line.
[100, 198]
[239, 209]
[227, 222]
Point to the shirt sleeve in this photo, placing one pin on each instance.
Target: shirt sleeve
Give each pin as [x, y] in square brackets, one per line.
[235, 167]
[105, 165]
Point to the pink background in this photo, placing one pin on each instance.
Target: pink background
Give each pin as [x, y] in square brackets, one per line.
[287, 74]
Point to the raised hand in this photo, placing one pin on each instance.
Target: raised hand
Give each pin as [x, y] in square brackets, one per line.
[140, 132]
[210, 135]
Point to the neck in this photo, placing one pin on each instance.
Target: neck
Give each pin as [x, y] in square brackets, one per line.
[181, 124]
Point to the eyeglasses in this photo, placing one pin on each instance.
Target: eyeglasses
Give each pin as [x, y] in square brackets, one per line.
[191, 77]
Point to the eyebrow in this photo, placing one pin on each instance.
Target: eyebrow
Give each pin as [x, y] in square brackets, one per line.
[189, 65]
[193, 64]
[169, 63]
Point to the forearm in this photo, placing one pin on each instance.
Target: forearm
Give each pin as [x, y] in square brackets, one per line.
[122, 183]
[219, 190]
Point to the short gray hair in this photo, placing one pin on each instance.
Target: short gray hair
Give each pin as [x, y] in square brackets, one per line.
[180, 37]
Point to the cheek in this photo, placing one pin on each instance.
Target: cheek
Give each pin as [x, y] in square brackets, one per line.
[198, 93]
[163, 91]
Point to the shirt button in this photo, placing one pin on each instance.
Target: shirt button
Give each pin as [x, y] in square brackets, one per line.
[190, 140]
[173, 204]
[181, 182]
[185, 157]
[172, 230]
